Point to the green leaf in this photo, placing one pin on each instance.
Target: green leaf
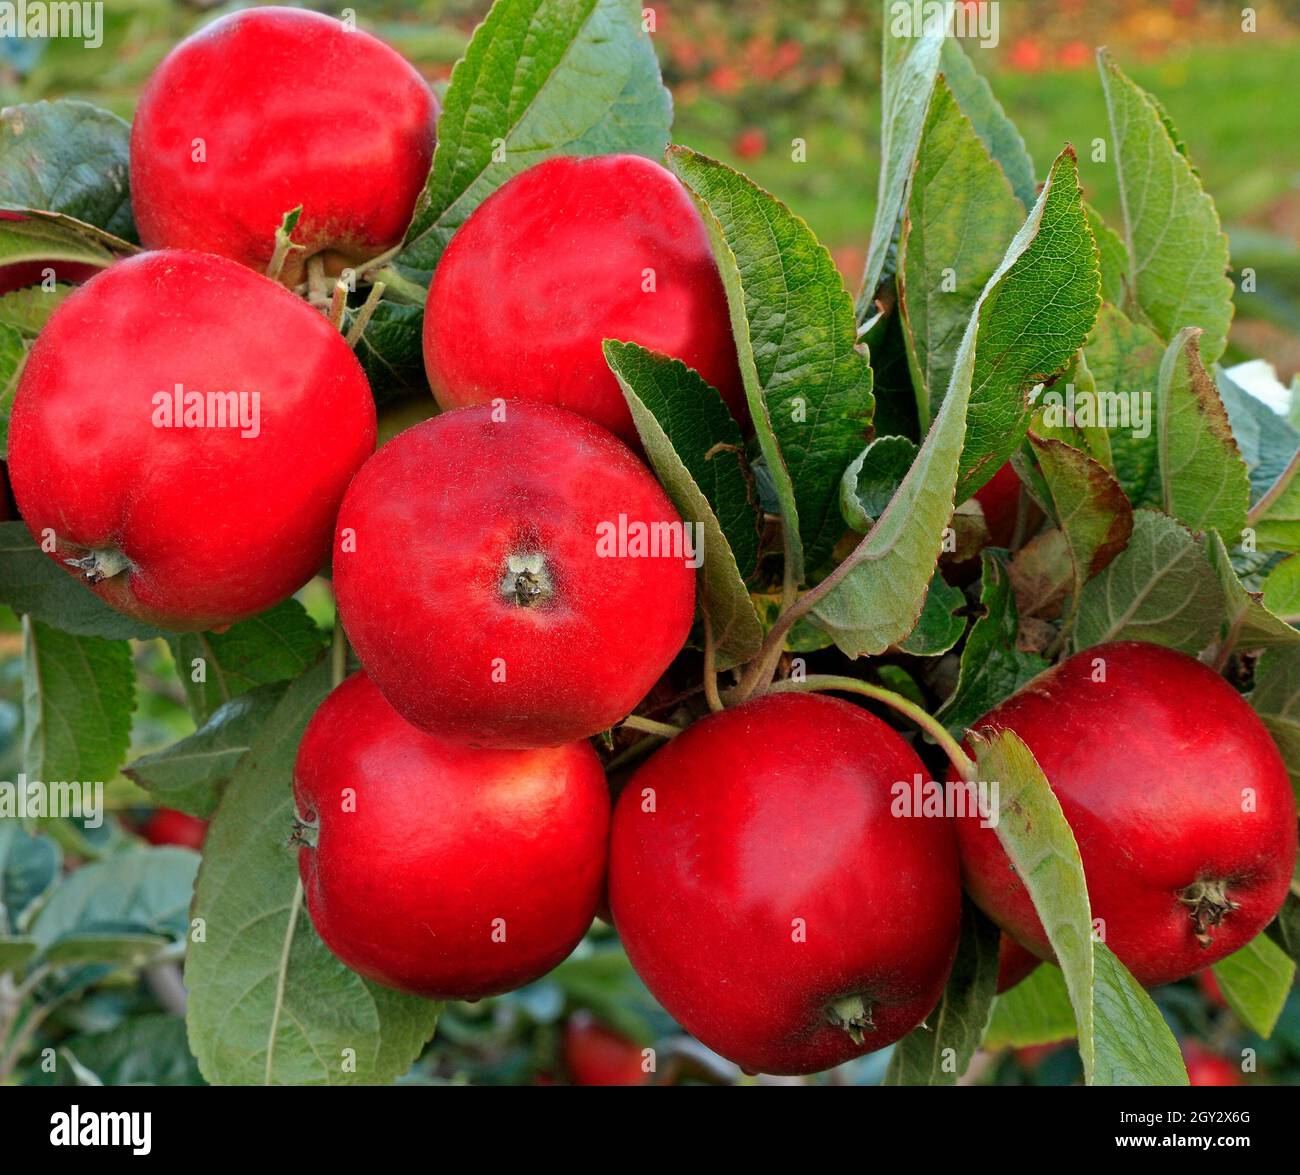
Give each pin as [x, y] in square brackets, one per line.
[540, 78]
[1030, 327]
[992, 668]
[1268, 443]
[190, 774]
[908, 70]
[274, 646]
[1256, 981]
[13, 354]
[391, 350]
[146, 1049]
[996, 131]
[1041, 848]
[1123, 1040]
[1247, 624]
[873, 479]
[807, 385]
[940, 1049]
[1114, 259]
[1282, 590]
[1276, 699]
[693, 418]
[78, 695]
[132, 951]
[1134, 1043]
[1204, 482]
[1090, 508]
[28, 310]
[961, 216]
[1036, 1011]
[269, 1004]
[16, 951]
[939, 627]
[33, 584]
[53, 236]
[67, 157]
[1124, 361]
[1161, 589]
[1177, 252]
[880, 588]
[142, 893]
[29, 866]
[697, 452]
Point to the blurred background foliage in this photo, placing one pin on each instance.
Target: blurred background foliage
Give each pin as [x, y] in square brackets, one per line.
[749, 77]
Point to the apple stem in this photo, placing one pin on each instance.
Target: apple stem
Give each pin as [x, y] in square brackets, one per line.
[99, 565]
[853, 1014]
[362, 319]
[930, 725]
[1208, 903]
[650, 726]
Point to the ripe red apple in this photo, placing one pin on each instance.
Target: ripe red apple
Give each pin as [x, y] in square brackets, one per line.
[1208, 1068]
[438, 869]
[483, 586]
[565, 255]
[271, 108]
[1014, 963]
[596, 1055]
[195, 518]
[1178, 799]
[999, 498]
[166, 826]
[768, 895]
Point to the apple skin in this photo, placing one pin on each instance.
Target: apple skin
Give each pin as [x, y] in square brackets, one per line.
[596, 1055]
[293, 109]
[438, 514]
[771, 820]
[423, 845]
[552, 264]
[999, 498]
[1149, 767]
[1014, 963]
[166, 826]
[216, 526]
[1208, 1068]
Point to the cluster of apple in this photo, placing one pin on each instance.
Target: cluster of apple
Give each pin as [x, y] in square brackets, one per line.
[198, 440]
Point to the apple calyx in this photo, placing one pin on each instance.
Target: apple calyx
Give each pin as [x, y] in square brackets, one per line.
[1208, 904]
[852, 1013]
[527, 581]
[98, 565]
[305, 831]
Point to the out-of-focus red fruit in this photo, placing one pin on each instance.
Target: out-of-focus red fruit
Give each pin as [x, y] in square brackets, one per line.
[1074, 55]
[1014, 963]
[169, 827]
[596, 1055]
[1026, 55]
[750, 143]
[1207, 1068]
